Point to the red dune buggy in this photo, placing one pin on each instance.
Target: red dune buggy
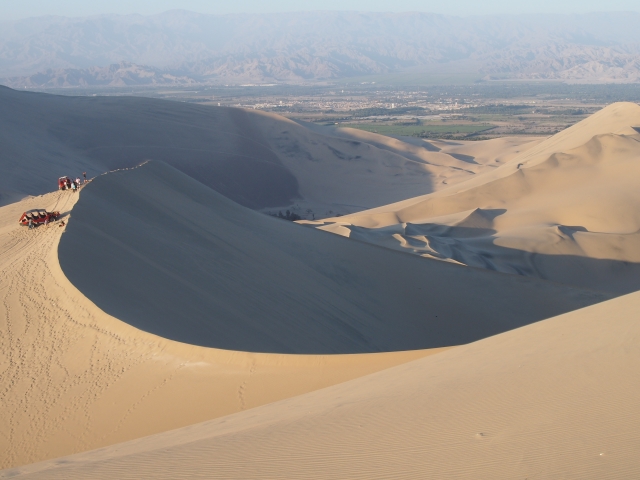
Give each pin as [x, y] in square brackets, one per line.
[38, 217]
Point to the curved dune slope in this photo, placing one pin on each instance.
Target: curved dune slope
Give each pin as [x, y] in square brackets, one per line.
[567, 209]
[73, 378]
[465, 157]
[48, 136]
[557, 399]
[166, 254]
[259, 160]
[345, 169]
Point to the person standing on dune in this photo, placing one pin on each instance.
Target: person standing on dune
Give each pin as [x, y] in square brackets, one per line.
[84, 175]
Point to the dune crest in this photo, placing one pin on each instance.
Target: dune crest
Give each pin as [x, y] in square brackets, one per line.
[163, 304]
[261, 160]
[556, 399]
[78, 378]
[566, 209]
[75, 378]
[183, 262]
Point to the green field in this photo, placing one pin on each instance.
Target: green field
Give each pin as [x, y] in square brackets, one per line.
[420, 130]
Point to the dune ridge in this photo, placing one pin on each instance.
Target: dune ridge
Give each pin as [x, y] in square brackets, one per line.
[352, 167]
[78, 378]
[75, 378]
[223, 343]
[556, 399]
[260, 160]
[181, 261]
[567, 209]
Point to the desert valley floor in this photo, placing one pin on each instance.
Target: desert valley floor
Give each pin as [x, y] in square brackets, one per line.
[472, 313]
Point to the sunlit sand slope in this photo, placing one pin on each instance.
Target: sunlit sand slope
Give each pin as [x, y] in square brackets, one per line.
[73, 378]
[166, 254]
[556, 399]
[566, 209]
[451, 161]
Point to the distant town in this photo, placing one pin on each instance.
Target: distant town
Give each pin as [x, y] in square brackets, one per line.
[464, 112]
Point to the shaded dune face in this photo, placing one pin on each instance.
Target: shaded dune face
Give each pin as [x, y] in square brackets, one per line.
[168, 255]
[260, 160]
[52, 135]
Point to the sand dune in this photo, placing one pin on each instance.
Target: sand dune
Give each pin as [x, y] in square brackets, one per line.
[173, 257]
[74, 378]
[46, 136]
[162, 303]
[342, 170]
[566, 209]
[556, 399]
[179, 260]
[259, 160]
[467, 157]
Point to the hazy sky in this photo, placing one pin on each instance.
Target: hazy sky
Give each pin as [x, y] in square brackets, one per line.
[13, 9]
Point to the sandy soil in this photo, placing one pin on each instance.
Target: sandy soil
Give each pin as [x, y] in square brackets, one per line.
[78, 378]
[260, 160]
[75, 378]
[179, 260]
[344, 170]
[557, 399]
[139, 320]
[566, 209]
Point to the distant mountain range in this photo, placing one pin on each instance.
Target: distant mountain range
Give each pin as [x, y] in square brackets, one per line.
[181, 48]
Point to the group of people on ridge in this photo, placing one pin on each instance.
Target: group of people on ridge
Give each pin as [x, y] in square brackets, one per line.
[66, 183]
